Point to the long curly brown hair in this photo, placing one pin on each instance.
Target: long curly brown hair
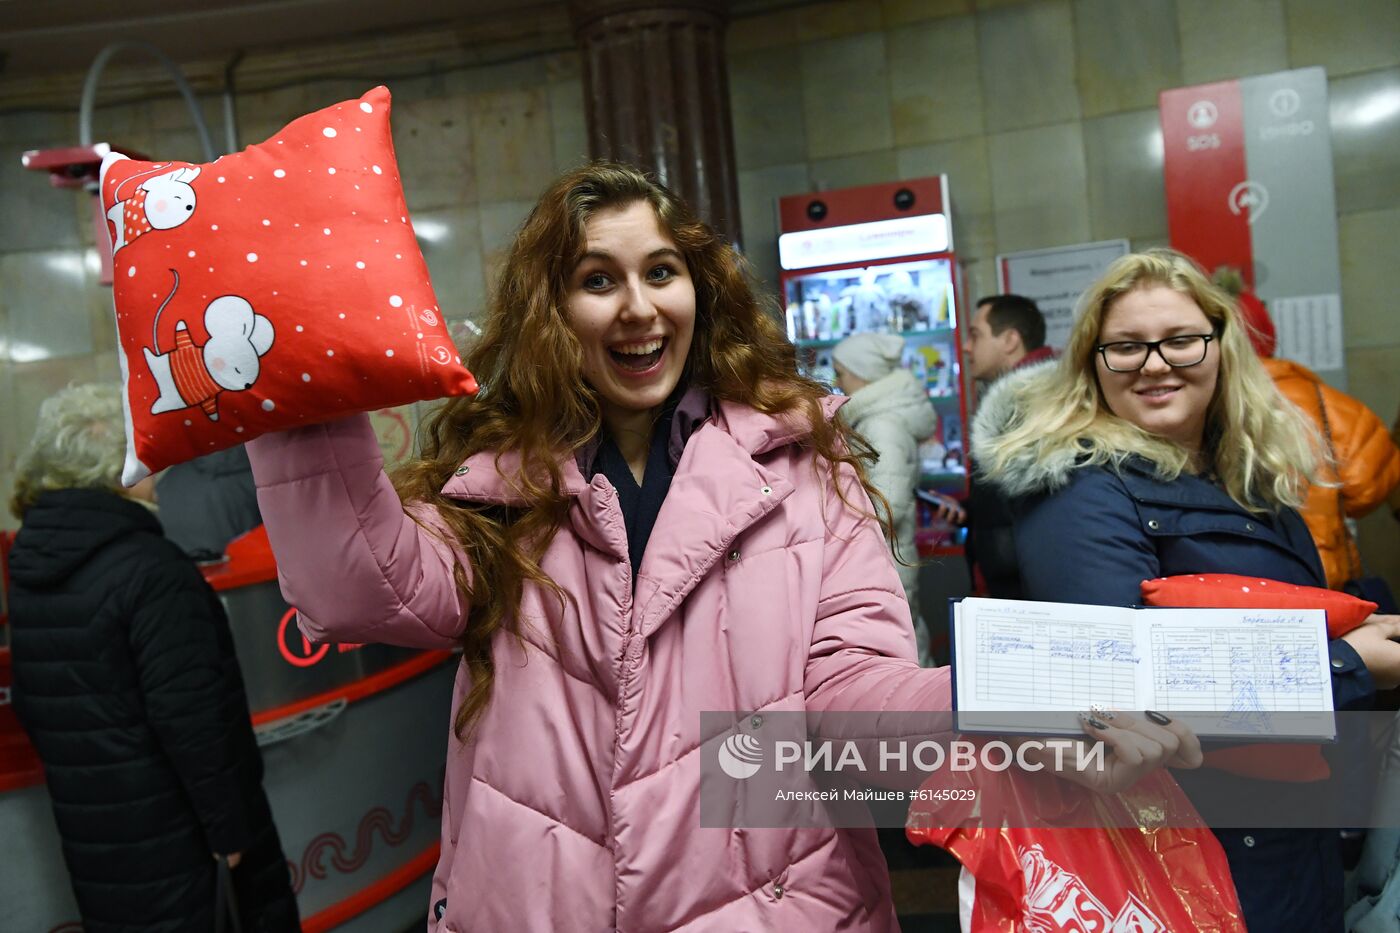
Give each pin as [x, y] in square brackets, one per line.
[535, 402]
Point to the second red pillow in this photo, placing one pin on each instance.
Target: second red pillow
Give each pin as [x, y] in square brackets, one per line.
[1229, 591]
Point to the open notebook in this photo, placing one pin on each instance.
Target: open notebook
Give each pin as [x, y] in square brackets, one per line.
[1028, 667]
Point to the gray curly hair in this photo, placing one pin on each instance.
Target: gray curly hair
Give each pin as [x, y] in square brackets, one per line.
[80, 443]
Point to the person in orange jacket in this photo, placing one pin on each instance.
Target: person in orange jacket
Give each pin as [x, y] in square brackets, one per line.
[1366, 467]
[1395, 493]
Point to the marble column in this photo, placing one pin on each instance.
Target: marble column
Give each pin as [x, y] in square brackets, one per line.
[656, 91]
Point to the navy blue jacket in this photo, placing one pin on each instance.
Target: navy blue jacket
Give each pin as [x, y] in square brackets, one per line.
[1097, 538]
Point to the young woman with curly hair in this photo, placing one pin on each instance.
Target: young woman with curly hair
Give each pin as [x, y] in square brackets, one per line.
[645, 514]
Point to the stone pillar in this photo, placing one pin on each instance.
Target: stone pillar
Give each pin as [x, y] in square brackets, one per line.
[656, 92]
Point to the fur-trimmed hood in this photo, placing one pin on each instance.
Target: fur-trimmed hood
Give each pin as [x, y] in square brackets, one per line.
[1000, 410]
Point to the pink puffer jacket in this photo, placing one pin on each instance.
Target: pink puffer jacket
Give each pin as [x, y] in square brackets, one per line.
[575, 805]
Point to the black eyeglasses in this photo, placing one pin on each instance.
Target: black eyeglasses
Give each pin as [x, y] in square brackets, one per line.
[1179, 352]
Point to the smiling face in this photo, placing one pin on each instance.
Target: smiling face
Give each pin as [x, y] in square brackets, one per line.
[1169, 402]
[631, 302]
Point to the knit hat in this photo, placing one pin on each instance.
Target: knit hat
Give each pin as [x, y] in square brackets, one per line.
[1257, 323]
[869, 356]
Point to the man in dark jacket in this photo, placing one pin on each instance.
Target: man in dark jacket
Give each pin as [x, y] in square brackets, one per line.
[208, 501]
[1006, 333]
[126, 681]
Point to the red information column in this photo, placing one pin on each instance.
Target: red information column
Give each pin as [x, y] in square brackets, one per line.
[1249, 184]
[1210, 201]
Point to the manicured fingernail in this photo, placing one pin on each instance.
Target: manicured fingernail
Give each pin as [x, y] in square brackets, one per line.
[1157, 717]
[1101, 712]
[1093, 723]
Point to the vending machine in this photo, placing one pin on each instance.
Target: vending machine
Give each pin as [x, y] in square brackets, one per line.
[880, 258]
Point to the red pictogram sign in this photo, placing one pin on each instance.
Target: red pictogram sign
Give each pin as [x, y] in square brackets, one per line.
[297, 649]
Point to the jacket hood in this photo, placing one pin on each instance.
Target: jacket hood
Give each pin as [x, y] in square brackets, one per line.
[64, 528]
[898, 395]
[481, 479]
[1028, 472]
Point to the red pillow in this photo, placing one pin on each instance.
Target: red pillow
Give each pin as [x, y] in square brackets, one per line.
[1228, 591]
[1296, 763]
[279, 286]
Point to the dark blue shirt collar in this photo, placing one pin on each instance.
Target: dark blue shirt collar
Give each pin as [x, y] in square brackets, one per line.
[686, 409]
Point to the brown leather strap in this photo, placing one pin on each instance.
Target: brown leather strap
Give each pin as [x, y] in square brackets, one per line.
[1353, 562]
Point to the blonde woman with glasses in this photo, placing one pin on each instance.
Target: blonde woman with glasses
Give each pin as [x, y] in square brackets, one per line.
[1159, 446]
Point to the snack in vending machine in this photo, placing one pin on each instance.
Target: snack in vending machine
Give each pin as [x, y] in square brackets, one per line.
[906, 304]
[870, 303]
[917, 362]
[824, 331]
[841, 316]
[809, 319]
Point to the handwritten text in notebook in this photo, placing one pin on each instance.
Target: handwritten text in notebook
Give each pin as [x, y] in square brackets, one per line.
[1231, 671]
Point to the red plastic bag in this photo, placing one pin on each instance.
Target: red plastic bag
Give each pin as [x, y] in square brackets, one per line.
[1153, 868]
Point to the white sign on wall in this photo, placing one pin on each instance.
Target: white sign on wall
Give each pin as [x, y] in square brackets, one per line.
[1309, 330]
[879, 239]
[1055, 278]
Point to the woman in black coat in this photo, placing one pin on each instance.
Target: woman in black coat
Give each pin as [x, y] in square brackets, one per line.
[126, 681]
[1158, 446]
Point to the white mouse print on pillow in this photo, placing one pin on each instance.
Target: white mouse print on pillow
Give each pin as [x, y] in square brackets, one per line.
[161, 202]
[192, 374]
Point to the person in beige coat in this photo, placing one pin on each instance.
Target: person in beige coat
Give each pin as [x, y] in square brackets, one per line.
[891, 410]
